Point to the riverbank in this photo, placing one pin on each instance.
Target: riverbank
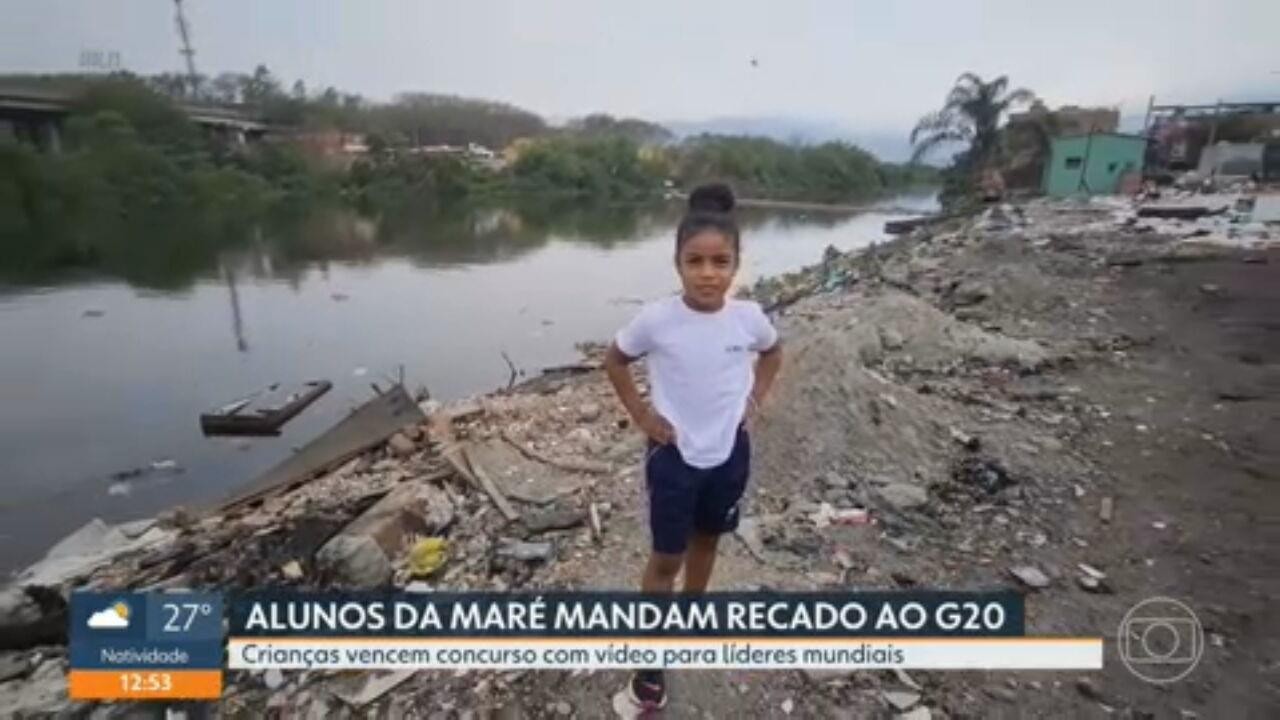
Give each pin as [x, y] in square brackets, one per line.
[1044, 386]
[332, 298]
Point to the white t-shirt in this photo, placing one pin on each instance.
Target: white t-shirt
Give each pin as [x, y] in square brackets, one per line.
[701, 369]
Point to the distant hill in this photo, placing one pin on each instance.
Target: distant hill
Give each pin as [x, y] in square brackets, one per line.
[888, 146]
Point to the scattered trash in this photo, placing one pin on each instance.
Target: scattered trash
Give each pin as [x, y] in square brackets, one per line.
[597, 530]
[1030, 576]
[1089, 689]
[1106, 509]
[1092, 584]
[427, 556]
[523, 482]
[1091, 571]
[965, 440]
[526, 551]
[984, 474]
[900, 700]
[93, 313]
[401, 445]
[851, 516]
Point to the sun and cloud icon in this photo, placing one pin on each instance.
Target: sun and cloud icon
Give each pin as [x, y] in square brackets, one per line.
[113, 617]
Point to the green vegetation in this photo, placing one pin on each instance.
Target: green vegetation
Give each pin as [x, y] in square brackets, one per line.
[970, 116]
[132, 167]
[763, 168]
[601, 167]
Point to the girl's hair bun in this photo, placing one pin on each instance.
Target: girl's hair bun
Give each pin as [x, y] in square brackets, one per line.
[713, 197]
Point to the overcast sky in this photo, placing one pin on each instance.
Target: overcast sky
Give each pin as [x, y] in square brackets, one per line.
[875, 66]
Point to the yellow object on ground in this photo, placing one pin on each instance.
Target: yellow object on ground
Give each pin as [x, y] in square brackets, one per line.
[427, 556]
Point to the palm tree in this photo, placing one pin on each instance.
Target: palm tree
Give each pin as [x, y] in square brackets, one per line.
[971, 114]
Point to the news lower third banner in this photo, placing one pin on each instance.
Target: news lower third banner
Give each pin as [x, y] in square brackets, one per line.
[589, 630]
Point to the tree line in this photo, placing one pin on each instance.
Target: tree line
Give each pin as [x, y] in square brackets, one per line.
[132, 163]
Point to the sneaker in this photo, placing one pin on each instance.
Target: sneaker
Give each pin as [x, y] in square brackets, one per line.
[648, 690]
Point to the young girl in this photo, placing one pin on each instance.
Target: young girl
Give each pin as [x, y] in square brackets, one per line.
[699, 347]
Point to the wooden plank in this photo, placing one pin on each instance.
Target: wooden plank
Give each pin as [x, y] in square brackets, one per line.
[245, 417]
[370, 425]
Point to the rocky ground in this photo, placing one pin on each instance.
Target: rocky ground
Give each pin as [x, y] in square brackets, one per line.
[1057, 397]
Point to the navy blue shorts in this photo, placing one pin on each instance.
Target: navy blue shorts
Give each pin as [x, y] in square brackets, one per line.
[683, 498]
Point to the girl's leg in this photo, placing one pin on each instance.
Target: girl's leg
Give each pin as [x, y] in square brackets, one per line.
[660, 572]
[700, 560]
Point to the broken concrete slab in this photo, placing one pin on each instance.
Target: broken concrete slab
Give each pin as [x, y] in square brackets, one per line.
[93, 546]
[385, 530]
[556, 518]
[903, 496]
[14, 666]
[521, 478]
[355, 560]
[367, 427]
[31, 616]
[41, 694]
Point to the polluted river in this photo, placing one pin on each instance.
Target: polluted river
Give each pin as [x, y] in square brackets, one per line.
[105, 374]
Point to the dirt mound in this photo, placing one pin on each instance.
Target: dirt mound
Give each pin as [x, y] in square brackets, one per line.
[837, 411]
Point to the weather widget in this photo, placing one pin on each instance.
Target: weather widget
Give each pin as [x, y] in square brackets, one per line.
[140, 646]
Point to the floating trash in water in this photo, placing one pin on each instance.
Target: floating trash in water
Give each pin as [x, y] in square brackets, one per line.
[360, 371]
[122, 489]
[93, 313]
[339, 297]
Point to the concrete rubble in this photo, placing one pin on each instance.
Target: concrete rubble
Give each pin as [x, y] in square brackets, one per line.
[929, 429]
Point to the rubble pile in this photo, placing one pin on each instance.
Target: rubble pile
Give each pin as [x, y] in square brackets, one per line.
[928, 428]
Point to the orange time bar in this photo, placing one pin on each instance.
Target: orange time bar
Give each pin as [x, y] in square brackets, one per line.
[145, 684]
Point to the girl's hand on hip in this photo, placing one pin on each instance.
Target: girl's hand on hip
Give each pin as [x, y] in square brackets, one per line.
[657, 428]
[753, 412]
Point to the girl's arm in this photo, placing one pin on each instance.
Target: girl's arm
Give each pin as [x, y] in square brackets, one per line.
[653, 424]
[767, 366]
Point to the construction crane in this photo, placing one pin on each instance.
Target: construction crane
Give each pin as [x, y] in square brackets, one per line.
[184, 33]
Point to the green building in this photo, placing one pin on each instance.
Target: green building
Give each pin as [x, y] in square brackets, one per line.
[1092, 164]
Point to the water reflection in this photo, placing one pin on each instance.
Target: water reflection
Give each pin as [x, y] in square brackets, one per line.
[170, 253]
